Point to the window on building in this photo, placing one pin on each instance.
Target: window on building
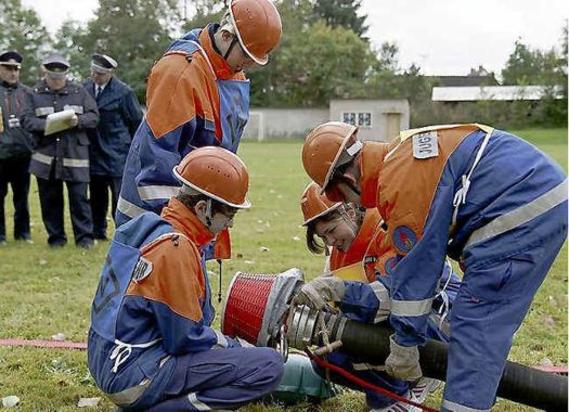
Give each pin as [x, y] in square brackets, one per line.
[361, 119]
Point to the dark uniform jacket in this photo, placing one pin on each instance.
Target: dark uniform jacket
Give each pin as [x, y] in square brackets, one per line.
[120, 116]
[68, 150]
[15, 141]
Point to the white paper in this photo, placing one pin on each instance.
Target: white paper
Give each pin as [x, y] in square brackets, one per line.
[56, 122]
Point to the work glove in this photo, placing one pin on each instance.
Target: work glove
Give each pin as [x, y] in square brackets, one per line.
[403, 361]
[318, 292]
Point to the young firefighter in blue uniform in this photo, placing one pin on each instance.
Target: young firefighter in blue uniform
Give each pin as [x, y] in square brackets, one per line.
[151, 345]
[361, 261]
[487, 198]
[197, 96]
[120, 116]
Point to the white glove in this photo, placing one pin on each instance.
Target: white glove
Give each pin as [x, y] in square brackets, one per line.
[403, 361]
[318, 292]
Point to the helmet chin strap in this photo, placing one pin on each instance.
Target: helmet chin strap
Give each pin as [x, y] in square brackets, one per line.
[208, 215]
[231, 46]
[349, 221]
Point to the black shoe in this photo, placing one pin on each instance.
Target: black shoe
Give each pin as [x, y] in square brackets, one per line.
[57, 245]
[24, 238]
[101, 237]
[87, 244]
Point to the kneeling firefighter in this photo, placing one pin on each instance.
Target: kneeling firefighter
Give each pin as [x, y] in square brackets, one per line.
[151, 344]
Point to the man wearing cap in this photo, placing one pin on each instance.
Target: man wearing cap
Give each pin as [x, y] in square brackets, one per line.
[62, 156]
[15, 146]
[197, 95]
[120, 116]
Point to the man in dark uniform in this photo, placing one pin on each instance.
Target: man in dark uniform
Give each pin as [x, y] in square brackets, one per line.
[120, 115]
[15, 146]
[62, 156]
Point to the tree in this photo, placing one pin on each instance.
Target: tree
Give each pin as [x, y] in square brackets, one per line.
[315, 65]
[342, 13]
[23, 31]
[134, 32]
[527, 66]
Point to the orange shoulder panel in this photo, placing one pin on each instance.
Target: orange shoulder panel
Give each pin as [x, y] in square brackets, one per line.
[408, 185]
[178, 91]
[176, 280]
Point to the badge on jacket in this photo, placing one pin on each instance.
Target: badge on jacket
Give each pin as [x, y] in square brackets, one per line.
[425, 145]
[142, 270]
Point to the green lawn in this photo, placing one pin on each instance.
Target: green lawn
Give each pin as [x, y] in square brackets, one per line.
[44, 292]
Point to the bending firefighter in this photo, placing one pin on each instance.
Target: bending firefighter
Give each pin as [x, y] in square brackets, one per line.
[484, 197]
[197, 96]
[151, 344]
[361, 262]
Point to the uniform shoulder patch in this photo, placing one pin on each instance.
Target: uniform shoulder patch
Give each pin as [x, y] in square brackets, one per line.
[404, 239]
[425, 145]
[142, 270]
[390, 265]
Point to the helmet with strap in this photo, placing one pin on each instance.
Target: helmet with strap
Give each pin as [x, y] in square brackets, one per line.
[217, 173]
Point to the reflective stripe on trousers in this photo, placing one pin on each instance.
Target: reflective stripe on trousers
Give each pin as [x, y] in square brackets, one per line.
[455, 407]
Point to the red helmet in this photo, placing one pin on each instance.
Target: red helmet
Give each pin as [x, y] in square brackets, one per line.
[314, 204]
[217, 173]
[258, 27]
[326, 147]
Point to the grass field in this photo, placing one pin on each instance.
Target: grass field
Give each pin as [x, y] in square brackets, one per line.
[44, 292]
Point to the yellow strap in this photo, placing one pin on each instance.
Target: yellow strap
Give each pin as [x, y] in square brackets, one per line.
[405, 134]
[353, 272]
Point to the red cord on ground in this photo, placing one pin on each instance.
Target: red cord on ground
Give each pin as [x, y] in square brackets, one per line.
[364, 384]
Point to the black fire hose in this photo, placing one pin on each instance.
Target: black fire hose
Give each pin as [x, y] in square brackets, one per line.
[519, 383]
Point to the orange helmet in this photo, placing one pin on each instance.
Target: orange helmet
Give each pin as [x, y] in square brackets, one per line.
[258, 27]
[217, 173]
[326, 147]
[315, 204]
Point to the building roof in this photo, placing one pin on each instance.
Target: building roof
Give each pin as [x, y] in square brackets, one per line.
[505, 93]
[464, 81]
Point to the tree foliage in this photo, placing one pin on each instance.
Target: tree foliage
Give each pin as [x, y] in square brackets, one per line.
[323, 55]
[22, 30]
[134, 32]
[342, 13]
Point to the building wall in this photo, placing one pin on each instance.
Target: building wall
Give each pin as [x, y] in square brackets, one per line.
[387, 117]
[267, 123]
[380, 110]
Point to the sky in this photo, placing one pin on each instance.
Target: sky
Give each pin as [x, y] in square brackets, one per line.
[444, 37]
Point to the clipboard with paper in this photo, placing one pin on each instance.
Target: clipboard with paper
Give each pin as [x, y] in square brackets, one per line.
[56, 122]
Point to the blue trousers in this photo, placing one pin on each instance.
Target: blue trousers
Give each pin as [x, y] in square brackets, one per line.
[490, 306]
[214, 379]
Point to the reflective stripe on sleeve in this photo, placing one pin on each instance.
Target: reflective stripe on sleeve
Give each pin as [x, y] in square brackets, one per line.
[382, 295]
[221, 340]
[455, 407]
[521, 215]
[157, 192]
[129, 209]
[411, 307]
